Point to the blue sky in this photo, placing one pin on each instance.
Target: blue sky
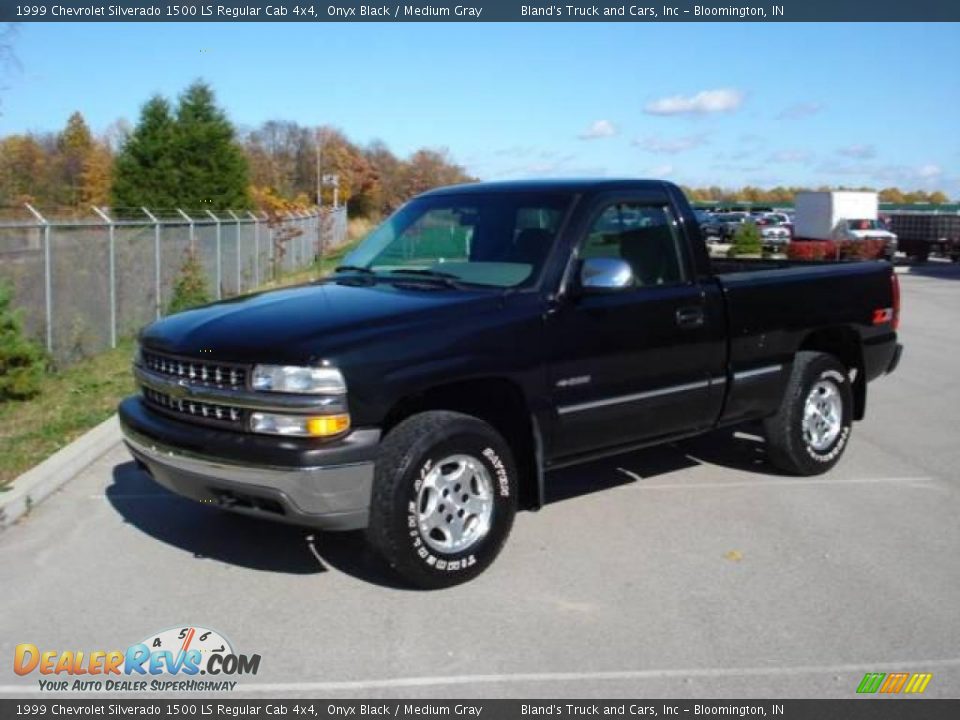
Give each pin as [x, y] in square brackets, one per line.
[725, 103]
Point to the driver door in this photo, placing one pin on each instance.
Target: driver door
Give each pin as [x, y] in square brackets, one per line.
[640, 362]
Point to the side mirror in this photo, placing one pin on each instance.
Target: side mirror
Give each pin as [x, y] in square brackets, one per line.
[605, 275]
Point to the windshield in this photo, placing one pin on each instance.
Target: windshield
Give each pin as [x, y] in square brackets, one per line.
[500, 240]
[865, 225]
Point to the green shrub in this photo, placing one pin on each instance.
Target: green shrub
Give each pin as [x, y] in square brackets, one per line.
[746, 241]
[191, 288]
[22, 362]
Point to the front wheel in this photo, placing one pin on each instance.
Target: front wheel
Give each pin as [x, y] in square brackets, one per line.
[811, 429]
[444, 498]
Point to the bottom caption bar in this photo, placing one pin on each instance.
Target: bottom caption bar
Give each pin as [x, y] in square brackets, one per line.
[867, 709]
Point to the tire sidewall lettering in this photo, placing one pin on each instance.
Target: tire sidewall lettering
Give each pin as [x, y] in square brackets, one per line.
[421, 550]
[840, 443]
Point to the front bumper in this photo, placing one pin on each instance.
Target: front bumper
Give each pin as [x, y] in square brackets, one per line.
[326, 486]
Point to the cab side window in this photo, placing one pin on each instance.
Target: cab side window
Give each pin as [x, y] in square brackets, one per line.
[644, 236]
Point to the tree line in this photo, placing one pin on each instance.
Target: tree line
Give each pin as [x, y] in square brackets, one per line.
[187, 154]
[784, 195]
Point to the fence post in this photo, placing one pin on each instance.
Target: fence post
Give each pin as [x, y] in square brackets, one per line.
[320, 243]
[304, 239]
[219, 267]
[272, 252]
[256, 249]
[237, 221]
[47, 272]
[156, 258]
[113, 276]
[190, 223]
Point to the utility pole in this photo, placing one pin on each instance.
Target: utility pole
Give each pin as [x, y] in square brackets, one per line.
[319, 143]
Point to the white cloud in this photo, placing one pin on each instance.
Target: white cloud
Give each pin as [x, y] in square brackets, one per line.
[670, 146]
[860, 152]
[800, 110]
[929, 171]
[790, 156]
[599, 129]
[705, 101]
[658, 171]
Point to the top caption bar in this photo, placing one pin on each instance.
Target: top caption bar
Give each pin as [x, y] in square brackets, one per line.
[480, 11]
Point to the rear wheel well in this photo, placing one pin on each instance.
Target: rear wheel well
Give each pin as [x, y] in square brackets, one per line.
[844, 344]
[498, 402]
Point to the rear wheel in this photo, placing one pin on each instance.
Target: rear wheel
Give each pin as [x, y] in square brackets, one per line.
[811, 429]
[444, 498]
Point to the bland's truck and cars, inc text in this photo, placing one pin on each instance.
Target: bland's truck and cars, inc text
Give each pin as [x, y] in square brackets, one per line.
[484, 335]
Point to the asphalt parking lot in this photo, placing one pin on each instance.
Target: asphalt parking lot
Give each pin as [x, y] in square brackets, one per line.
[685, 571]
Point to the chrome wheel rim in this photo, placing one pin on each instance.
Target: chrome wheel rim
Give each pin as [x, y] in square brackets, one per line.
[822, 415]
[455, 504]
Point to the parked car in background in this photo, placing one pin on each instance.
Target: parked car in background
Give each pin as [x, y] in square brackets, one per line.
[774, 235]
[730, 222]
[710, 226]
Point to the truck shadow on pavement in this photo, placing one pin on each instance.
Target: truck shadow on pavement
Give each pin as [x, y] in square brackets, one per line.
[938, 270]
[737, 449]
[208, 533]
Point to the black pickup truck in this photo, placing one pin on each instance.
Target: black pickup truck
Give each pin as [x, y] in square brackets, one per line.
[484, 335]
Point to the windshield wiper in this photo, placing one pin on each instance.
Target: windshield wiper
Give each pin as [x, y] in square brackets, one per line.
[437, 276]
[353, 268]
[426, 273]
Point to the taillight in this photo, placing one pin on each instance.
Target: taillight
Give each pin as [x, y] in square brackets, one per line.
[895, 283]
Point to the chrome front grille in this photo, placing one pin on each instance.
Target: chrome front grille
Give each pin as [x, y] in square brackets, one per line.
[224, 375]
[196, 411]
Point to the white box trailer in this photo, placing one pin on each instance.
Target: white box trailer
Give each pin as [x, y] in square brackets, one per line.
[840, 215]
[820, 213]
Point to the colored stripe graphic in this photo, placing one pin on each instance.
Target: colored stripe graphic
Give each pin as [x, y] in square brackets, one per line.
[894, 682]
[870, 683]
[918, 683]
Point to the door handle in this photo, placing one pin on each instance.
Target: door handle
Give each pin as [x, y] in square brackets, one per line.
[690, 317]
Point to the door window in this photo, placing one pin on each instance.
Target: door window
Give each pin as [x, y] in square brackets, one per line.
[644, 236]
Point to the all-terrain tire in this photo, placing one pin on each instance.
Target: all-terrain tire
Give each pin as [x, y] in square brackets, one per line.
[802, 437]
[417, 469]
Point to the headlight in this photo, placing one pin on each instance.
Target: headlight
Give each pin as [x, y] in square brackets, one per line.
[293, 379]
[137, 355]
[299, 425]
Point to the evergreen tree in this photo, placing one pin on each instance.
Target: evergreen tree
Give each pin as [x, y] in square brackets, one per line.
[190, 289]
[746, 241]
[145, 171]
[21, 361]
[212, 166]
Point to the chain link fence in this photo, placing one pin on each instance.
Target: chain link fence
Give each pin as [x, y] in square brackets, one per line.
[83, 283]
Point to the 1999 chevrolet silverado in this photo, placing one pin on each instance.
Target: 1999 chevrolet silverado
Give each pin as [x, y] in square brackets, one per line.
[484, 335]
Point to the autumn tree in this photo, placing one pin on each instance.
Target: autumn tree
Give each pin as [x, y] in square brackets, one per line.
[24, 170]
[74, 146]
[428, 169]
[97, 175]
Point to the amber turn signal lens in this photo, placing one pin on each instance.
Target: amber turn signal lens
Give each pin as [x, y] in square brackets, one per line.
[327, 425]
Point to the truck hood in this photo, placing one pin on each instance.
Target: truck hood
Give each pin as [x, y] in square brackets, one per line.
[308, 323]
